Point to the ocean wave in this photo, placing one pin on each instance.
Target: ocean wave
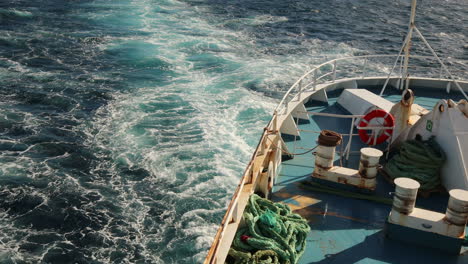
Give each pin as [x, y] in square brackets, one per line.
[125, 126]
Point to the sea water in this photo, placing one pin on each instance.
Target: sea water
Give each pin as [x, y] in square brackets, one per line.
[125, 126]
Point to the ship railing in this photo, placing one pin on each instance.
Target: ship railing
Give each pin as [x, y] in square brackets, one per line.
[368, 66]
[343, 153]
[250, 178]
[328, 72]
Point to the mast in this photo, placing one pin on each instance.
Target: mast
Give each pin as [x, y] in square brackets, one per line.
[411, 26]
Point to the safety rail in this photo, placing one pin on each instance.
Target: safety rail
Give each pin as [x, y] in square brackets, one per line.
[362, 66]
[353, 118]
[328, 72]
[250, 178]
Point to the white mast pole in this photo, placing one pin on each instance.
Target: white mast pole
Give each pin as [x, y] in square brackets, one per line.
[408, 43]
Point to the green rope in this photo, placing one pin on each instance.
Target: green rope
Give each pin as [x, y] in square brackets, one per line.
[260, 257]
[272, 234]
[418, 160]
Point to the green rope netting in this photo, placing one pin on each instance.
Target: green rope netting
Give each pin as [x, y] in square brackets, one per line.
[272, 234]
[418, 160]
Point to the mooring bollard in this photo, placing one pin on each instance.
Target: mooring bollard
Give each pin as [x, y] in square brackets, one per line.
[369, 163]
[457, 212]
[406, 190]
[325, 155]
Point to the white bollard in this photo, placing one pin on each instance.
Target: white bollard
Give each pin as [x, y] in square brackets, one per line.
[325, 154]
[324, 157]
[457, 211]
[369, 163]
[406, 190]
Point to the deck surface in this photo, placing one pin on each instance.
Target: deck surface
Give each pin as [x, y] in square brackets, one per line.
[345, 230]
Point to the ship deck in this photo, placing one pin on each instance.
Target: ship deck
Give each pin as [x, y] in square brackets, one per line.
[346, 230]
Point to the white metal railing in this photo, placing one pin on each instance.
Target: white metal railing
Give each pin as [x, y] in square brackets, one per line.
[234, 210]
[350, 135]
[361, 67]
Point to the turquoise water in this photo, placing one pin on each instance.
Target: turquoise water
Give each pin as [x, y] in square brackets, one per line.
[126, 125]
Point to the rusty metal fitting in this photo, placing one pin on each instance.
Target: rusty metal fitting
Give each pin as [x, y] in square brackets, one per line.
[407, 98]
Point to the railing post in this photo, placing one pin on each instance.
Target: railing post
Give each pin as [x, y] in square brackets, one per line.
[334, 71]
[441, 71]
[235, 213]
[295, 136]
[364, 68]
[400, 82]
[315, 79]
[274, 121]
[261, 150]
[350, 138]
[300, 91]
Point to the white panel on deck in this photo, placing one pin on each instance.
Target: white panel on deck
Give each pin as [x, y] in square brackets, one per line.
[289, 127]
[452, 135]
[300, 112]
[320, 95]
[450, 128]
[359, 101]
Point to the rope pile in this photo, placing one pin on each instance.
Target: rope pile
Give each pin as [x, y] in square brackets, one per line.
[418, 160]
[329, 138]
[272, 234]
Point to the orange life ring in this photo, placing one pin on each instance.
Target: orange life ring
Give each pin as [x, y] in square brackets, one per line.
[389, 121]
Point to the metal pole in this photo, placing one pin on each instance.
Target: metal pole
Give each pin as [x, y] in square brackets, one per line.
[300, 91]
[408, 44]
[400, 82]
[440, 62]
[394, 65]
[350, 138]
[334, 70]
[364, 68]
[295, 136]
[315, 79]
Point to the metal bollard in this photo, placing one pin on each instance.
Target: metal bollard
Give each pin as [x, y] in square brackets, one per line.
[457, 212]
[406, 190]
[324, 157]
[368, 165]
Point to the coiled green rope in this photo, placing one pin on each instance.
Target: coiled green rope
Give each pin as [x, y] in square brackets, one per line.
[418, 160]
[272, 234]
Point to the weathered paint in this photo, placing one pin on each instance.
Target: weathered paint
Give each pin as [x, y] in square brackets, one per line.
[347, 230]
[324, 157]
[363, 178]
[449, 126]
[457, 212]
[404, 199]
[369, 162]
[336, 239]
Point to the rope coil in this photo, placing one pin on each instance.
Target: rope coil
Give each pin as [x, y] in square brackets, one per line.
[418, 160]
[272, 234]
[329, 138]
